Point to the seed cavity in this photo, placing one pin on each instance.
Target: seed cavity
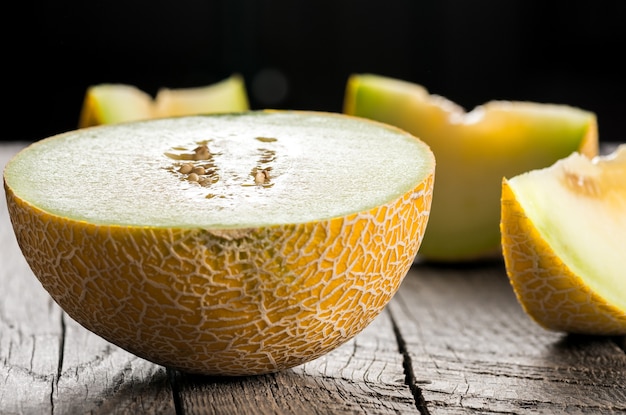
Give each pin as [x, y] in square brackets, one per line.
[196, 164]
[261, 173]
[584, 185]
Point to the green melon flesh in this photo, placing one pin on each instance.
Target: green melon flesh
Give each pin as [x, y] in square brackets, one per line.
[314, 172]
[579, 207]
[474, 150]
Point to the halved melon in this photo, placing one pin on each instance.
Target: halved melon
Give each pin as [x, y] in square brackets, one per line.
[474, 150]
[563, 237]
[114, 103]
[230, 244]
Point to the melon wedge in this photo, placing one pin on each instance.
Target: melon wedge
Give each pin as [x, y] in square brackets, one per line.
[228, 95]
[114, 103]
[563, 239]
[474, 150]
[231, 244]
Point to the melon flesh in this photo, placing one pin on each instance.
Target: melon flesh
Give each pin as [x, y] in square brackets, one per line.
[115, 103]
[564, 233]
[240, 274]
[228, 95]
[316, 172]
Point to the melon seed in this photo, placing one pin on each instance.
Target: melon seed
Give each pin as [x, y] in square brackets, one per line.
[202, 152]
[186, 168]
[199, 170]
[261, 176]
[193, 177]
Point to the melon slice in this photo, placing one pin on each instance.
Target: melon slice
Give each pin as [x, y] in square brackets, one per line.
[230, 244]
[114, 103]
[563, 238]
[474, 150]
[228, 95]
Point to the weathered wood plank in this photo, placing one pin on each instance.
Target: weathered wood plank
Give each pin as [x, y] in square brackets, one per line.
[474, 350]
[363, 376]
[100, 378]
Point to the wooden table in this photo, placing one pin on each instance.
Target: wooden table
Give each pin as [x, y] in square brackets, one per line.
[453, 340]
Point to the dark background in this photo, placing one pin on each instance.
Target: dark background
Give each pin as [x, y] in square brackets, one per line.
[299, 54]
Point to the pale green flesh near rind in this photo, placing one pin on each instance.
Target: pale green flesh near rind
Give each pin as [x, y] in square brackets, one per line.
[228, 95]
[122, 103]
[588, 233]
[474, 150]
[322, 166]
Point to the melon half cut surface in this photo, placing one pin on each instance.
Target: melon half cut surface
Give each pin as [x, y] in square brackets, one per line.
[232, 244]
[564, 240]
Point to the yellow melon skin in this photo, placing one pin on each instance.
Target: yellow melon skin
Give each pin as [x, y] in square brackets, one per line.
[549, 288]
[228, 302]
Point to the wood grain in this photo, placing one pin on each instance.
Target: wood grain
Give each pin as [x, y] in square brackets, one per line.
[472, 348]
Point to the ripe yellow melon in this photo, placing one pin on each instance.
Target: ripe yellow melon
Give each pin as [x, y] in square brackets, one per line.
[114, 103]
[228, 95]
[231, 244]
[563, 237]
[474, 150]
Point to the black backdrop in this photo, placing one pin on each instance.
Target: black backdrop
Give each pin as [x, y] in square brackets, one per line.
[298, 54]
